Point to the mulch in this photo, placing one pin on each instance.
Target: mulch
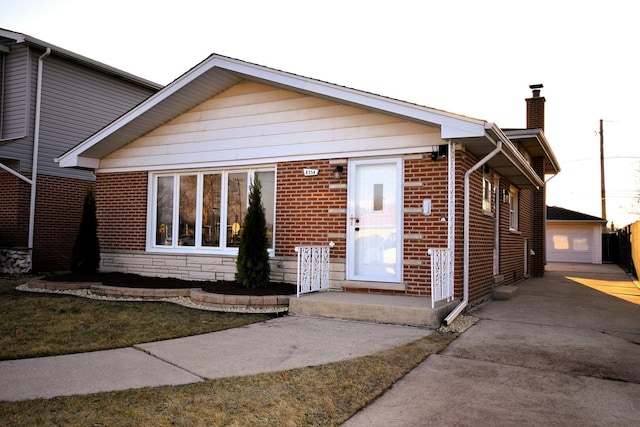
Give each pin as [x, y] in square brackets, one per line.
[136, 281]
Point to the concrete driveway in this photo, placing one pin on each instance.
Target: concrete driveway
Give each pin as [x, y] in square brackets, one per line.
[565, 351]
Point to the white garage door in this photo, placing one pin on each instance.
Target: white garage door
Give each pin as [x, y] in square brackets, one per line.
[573, 244]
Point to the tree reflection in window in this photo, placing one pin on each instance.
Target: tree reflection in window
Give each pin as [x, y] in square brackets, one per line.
[236, 207]
[211, 205]
[268, 182]
[187, 210]
[206, 209]
[164, 211]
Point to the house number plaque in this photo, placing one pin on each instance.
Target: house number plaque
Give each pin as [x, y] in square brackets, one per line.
[310, 172]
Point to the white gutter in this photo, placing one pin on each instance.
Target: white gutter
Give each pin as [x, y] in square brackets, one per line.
[36, 145]
[465, 281]
[14, 173]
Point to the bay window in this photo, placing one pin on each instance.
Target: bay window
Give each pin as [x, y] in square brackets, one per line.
[204, 210]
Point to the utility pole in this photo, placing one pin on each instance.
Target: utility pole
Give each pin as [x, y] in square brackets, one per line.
[603, 194]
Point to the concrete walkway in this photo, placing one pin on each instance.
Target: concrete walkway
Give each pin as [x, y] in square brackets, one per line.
[566, 351]
[279, 344]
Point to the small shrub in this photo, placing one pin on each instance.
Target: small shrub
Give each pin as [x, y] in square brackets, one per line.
[252, 265]
[85, 257]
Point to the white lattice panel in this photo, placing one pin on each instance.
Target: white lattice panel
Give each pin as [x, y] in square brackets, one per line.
[313, 268]
[441, 277]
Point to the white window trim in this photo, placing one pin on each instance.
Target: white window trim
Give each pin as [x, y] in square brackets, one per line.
[197, 248]
[514, 209]
[486, 193]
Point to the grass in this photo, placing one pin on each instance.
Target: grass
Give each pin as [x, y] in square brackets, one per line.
[35, 324]
[324, 395]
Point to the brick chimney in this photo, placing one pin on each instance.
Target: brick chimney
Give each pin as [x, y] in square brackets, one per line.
[535, 120]
[535, 108]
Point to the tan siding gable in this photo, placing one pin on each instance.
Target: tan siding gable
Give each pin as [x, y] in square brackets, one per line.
[253, 121]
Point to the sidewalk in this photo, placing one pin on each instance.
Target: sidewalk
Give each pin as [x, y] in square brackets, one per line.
[285, 343]
[566, 351]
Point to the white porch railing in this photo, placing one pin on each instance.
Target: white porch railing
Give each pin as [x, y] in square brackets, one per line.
[313, 268]
[441, 275]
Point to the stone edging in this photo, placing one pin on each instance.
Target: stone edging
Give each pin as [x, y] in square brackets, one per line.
[222, 302]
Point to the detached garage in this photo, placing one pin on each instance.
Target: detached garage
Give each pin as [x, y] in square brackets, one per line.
[573, 236]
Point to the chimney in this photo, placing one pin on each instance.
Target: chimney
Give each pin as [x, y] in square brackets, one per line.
[535, 120]
[535, 108]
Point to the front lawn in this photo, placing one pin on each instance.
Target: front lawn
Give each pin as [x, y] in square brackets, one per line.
[41, 324]
[35, 324]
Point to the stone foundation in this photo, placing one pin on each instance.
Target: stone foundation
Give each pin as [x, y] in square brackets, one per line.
[15, 261]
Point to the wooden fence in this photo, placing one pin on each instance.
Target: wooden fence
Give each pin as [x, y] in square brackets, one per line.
[623, 248]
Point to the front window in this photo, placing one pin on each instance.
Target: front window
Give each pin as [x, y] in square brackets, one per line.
[211, 210]
[164, 210]
[205, 210]
[187, 210]
[236, 207]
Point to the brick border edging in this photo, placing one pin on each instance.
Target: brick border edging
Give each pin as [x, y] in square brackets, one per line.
[233, 303]
[117, 291]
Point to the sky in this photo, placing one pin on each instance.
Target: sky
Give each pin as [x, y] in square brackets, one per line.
[473, 58]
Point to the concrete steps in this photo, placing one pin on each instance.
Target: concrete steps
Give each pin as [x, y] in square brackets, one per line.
[505, 292]
[378, 308]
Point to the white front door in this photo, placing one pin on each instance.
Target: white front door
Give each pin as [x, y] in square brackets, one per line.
[374, 228]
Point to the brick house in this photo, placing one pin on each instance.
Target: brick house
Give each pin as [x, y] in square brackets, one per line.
[384, 180]
[50, 100]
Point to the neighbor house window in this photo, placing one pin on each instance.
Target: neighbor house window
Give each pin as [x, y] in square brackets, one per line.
[513, 208]
[204, 211]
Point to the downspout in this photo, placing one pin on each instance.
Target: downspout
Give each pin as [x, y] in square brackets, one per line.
[36, 144]
[465, 281]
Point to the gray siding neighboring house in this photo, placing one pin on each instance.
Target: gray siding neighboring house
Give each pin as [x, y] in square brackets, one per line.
[78, 97]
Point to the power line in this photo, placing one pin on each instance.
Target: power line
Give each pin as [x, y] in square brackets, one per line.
[606, 158]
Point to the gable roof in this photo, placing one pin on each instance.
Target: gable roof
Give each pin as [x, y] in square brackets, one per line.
[11, 37]
[555, 213]
[217, 73]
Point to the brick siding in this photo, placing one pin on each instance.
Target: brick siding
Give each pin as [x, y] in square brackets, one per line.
[59, 204]
[481, 226]
[512, 243]
[539, 222]
[57, 218]
[121, 202]
[14, 211]
[310, 210]
[423, 179]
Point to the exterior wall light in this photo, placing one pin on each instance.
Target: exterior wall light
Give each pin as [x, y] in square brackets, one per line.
[505, 195]
[337, 172]
[440, 152]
